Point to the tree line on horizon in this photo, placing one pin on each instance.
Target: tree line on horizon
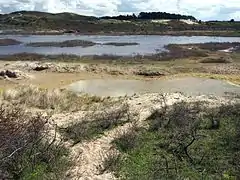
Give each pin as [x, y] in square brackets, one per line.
[150, 15]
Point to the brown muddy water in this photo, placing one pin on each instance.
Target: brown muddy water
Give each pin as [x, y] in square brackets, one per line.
[120, 87]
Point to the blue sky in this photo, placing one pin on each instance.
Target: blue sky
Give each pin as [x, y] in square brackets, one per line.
[201, 9]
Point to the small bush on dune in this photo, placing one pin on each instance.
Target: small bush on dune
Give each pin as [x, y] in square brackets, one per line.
[128, 140]
[26, 150]
[96, 123]
[110, 163]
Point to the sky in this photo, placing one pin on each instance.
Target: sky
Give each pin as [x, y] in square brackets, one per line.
[201, 9]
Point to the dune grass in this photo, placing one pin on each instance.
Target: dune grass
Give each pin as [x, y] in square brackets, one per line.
[31, 96]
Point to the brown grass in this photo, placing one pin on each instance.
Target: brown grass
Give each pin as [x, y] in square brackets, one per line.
[55, 99]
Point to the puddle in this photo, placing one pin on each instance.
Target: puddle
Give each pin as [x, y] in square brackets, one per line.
[118, 87]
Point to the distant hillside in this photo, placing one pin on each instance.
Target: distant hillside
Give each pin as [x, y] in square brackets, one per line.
[144, 23]
[63, 16]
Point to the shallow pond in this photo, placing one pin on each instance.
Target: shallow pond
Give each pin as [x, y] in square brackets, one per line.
[147, 44]
[118, 87]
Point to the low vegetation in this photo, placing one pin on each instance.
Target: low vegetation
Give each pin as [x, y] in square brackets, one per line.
[96, 123]
[218, 46]
[57, 100]
[39, 57]
[177, 52]
[68, 43]
[121, 44]
[9, 42]
[186, 140]
[183, 141]
[216, 60]
[27, 151]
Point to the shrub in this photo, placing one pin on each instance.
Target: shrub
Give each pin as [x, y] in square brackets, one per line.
[128, 140]
[110, 163]
[26, 149]
[96, 123]
[186, 141]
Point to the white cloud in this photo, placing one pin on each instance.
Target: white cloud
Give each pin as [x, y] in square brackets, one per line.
[204, 9]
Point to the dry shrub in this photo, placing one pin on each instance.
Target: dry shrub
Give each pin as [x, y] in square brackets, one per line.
[128, 139]
[179, 115]
[96, 123]
[26, 151]
[110, 164]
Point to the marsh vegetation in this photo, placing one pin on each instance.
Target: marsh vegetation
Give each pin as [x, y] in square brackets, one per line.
[68, 43]
[8, 42]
